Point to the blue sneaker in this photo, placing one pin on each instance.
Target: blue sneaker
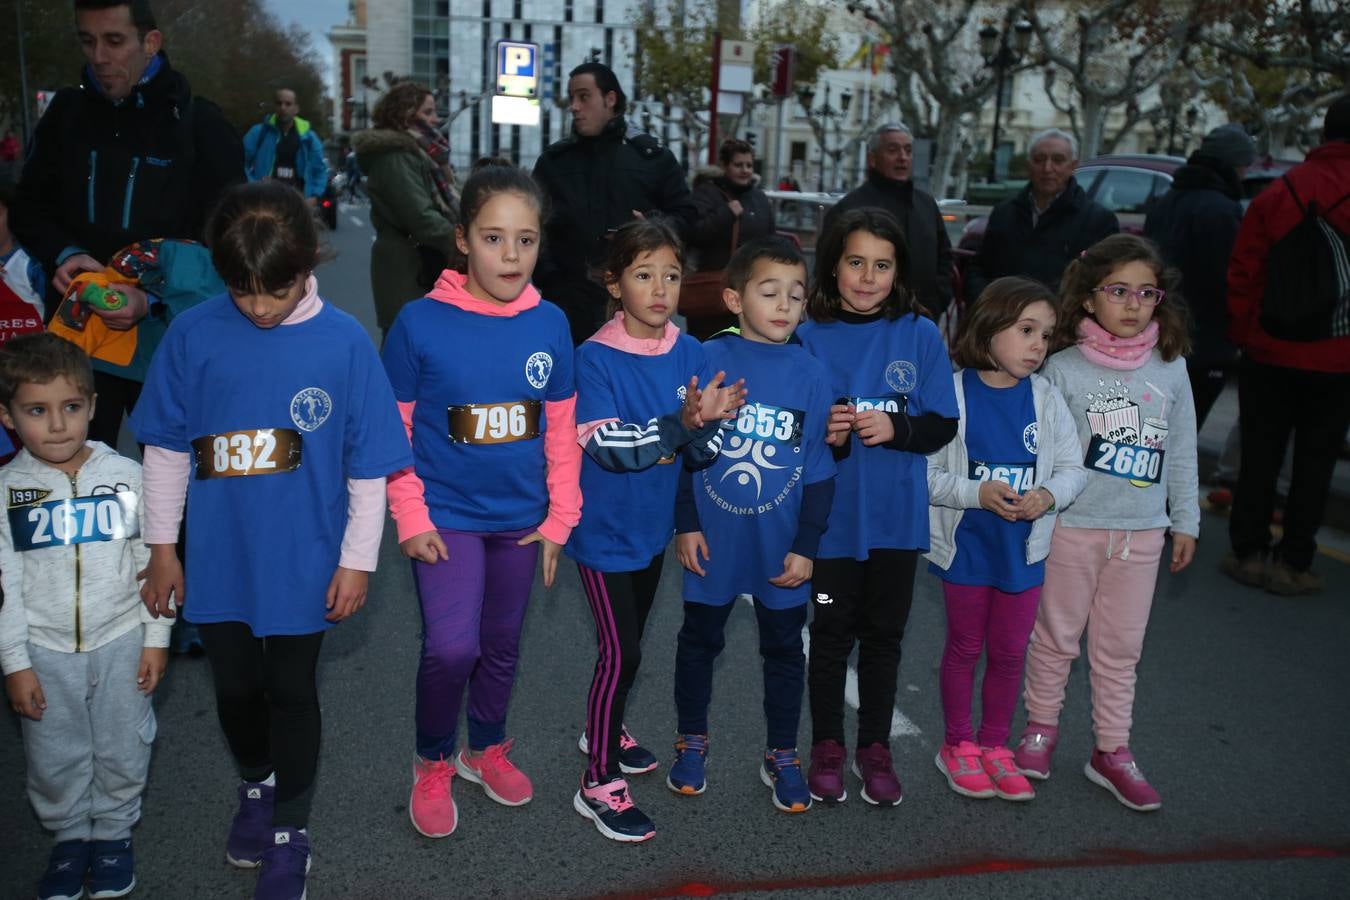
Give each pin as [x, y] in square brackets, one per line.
[610, 806]
[284, 865]
[686, 773]
[113, 872]
[66, 869]
[251, 830]
[634, 759]
[782, 771]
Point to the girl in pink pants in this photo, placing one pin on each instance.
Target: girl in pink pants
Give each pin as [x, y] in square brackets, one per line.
[1125, 382]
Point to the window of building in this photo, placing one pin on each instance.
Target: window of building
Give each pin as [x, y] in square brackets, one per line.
[567, 10]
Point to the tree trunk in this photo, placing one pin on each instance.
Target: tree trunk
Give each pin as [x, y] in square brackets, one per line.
[1094, 124]
[945, 147]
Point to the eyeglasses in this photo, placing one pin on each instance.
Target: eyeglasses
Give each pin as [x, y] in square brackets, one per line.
[1119, 293]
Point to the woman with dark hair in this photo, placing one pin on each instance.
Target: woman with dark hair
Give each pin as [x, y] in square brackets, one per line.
[732, 211]
[413, 199]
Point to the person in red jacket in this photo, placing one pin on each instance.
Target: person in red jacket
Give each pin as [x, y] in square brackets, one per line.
[1284, 386]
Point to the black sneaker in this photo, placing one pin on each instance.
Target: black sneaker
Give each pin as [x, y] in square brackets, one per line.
[113, 871]
[634, 759]
[66, 870]
[611, 808]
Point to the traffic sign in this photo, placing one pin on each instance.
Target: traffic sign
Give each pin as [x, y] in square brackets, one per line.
[517, 69]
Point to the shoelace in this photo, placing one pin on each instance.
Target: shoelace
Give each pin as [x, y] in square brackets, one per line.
[434, 780]
[626, 740]
[494, 757]
[616, 798]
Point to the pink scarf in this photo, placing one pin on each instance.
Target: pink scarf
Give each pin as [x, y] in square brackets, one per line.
[1105, 349]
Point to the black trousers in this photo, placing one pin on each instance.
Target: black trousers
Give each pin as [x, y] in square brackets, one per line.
[267, 699]
[620, 603]
[701, 640]
[864, 603]
[1272, 402]
[1207, 383]
[117, 396]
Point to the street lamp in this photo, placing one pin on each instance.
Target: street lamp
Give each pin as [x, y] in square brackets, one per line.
[1001, 57]
[820, 119]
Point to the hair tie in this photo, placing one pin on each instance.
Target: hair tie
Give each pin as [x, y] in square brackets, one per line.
[1083, 255]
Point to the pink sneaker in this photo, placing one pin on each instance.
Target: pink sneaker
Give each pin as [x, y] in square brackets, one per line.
[432, 809]
[961, 765]
[501, 780]
[1035, 749]
[1119, 773]
[1009, 784]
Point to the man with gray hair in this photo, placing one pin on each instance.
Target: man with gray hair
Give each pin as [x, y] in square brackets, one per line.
[1048, 223]
[890, 161]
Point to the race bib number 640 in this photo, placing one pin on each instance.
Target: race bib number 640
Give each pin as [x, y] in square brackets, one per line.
[79, 520]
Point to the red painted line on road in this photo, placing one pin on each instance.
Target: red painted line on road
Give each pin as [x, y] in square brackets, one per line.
[1097, 860]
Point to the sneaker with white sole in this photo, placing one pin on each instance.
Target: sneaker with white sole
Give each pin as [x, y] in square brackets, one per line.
[964, 769]
[634, 759]
[1009, 784]
[782, 772]
[285, 864]
[687, 772]
[610, 806]
[500, 779]
[1119, 773]
[1035, 749]
[431, 807]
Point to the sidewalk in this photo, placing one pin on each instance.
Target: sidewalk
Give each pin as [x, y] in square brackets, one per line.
[1211, 438]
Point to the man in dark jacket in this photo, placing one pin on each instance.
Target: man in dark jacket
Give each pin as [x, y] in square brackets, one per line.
[1046, 225]
[890, 161]
[1195, 223]
[128, 155]
[603, 175]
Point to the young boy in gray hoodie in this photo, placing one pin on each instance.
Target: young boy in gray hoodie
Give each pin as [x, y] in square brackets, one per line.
[80, 654]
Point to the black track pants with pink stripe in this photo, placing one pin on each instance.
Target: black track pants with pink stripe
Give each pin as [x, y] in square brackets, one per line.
[620, 602]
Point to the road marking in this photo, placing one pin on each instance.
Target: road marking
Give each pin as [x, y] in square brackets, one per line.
[357, 222]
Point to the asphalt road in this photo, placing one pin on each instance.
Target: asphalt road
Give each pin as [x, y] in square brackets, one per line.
[1241, 722]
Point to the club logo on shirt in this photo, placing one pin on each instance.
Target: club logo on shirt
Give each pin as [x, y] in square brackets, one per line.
[27, 496]
[310, 408]
[902, 376]
[537, 369]
[1029, 435]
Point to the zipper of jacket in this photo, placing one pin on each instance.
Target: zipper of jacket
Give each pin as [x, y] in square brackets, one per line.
[79, 632]
[131, 189]
[93, 170]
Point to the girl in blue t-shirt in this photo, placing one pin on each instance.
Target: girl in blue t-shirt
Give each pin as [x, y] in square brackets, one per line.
[994, 492]
[268, 409]
[644, 398]
[482, 370]
[892, 379]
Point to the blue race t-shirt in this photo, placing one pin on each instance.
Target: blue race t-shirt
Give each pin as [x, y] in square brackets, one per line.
[480, 383]
[749, 500]
[309, 406]
[1001, 445]
[897, 365]
[629, 517]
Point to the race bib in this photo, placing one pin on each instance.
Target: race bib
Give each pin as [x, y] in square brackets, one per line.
[891, 403]
[253, 451]
[763, 422]
[494, 423]
[1140, 465]
[285, 173]
[79, 520]
[1018, 476]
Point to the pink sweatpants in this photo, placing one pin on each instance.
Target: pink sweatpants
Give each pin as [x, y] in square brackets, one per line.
[1102, 580]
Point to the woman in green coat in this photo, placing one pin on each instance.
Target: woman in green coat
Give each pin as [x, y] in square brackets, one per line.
[413, 201]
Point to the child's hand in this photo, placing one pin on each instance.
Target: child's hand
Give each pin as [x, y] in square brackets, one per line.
[163, 581]
[712, 402]
[1000, 499]
[874, 427]
[1033, 504]
[796, 571]
[153, 662]
[1183, 551]
[426, 547]
[25, 694]
[688, 546]
[551, 551]
[840, 424]
[346, 593]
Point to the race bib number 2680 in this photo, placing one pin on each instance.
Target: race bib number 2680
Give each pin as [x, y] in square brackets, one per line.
[1138, 464]
[79, 520]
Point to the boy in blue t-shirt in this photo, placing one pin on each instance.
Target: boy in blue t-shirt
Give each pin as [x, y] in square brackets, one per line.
[761, 507]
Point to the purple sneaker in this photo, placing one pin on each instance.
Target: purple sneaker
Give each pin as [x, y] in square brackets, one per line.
[251, 830]
[1034, 750]
[826, 775]
[1119, 773]
[873, 765]
[285, 863]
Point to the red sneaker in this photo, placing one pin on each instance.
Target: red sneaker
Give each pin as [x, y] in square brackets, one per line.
[432, 809]
[1119, 773]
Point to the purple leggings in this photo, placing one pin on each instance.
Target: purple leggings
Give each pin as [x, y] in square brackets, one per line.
[473, 607]
[976, 617]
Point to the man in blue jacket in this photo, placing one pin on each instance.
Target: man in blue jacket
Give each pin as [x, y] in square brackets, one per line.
[285, 147]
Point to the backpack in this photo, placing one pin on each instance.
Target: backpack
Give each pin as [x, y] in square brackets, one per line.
[1307, 296]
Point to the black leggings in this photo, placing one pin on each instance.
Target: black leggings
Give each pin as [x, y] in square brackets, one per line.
[267, 699]
[867, 603]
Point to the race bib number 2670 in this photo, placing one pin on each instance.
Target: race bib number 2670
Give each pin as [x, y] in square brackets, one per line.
[79, 520]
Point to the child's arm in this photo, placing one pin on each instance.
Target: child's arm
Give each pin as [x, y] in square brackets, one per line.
[897, 431]
[21, 682]
[417, 535]
[1069, 476]
[947, 488]
[165, 476]
[689, 539]
[347, 588]
[563, 458]
[1183, 479]
[799, 563]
